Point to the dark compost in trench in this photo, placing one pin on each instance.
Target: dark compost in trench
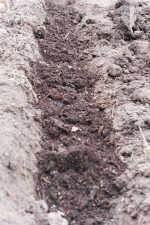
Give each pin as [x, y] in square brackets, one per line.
[78, 164]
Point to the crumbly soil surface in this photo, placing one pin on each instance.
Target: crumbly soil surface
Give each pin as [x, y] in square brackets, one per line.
[122, 60]
[19, 133]
[78, 165]
[93, 88]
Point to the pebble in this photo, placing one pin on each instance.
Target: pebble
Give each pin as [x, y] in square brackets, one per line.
[142, 95]
[75, 129]
[93, 192]
[54, 218]
[138, 34]
[114, 70]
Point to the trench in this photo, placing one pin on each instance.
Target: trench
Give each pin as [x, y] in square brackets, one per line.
[78, 165]
[92, 85]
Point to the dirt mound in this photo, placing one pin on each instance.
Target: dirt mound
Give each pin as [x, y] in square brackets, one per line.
[123, 64]
[20, 134]
[78, 165]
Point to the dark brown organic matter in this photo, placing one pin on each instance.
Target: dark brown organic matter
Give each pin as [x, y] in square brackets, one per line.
[78, 164]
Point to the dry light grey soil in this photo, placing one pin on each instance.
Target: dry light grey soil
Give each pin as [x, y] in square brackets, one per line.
[121, 58]
[19, 134]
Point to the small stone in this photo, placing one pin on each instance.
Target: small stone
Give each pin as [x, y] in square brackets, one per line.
[70, 67]
[142, 95]
[3, 34]
[133, 69]
[138, 34]
[18, 20]
[39, 32]
[12, 165]
[74, 129]
[134, 214]
[99, 219]
[146, 172]
[53, 207]
[90, 21]
[114, 71]
[93, 192]
[54, 218]
[61, 149]
[59, 123]
[139, 47]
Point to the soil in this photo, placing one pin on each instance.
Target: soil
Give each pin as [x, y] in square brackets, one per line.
[122, 60]
[78, 165]
[93, 86]
[19, 133]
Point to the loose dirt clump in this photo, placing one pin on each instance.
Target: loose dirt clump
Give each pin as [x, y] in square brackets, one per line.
[78, 165]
